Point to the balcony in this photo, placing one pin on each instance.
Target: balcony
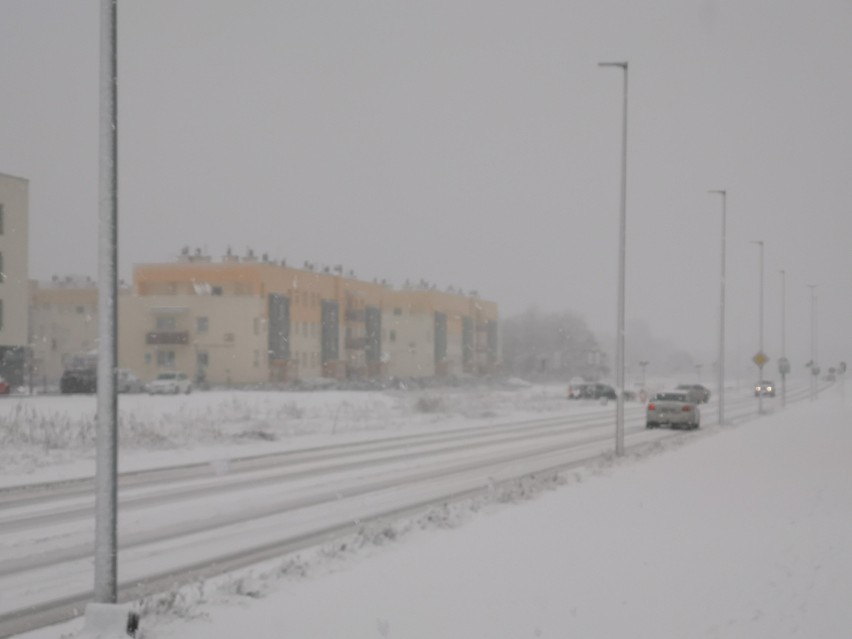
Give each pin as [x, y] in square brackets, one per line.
[356, 343]
[167, 338]
[356, 315]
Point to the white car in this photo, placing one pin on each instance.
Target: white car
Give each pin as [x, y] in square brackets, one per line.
[170, 383]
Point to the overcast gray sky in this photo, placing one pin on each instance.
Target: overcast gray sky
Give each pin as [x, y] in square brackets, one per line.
[473, 143]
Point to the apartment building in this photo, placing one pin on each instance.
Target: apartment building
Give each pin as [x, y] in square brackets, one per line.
[63, 324]
[14, 277]
[248, 320]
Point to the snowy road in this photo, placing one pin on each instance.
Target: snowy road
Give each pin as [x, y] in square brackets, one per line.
[185, 522]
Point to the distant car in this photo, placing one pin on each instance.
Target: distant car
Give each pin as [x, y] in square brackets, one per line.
[675, 408]
[701, 394]
[128, 382]
[593, 390]
[79, 380]
[4, 387]
[170, 383]
[764, 387]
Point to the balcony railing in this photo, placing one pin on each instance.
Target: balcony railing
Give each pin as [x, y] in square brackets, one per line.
[167, 338]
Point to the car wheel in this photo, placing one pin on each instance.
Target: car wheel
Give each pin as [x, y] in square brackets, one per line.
[650, 425]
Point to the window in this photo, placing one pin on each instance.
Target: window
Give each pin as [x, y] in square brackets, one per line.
[2, 272]
[393, 335]
[166, 323]
[1, 315]
[166, 359]
[147, 359]
[202, 324]
[397, 311]
[216, 290]
[202, 359]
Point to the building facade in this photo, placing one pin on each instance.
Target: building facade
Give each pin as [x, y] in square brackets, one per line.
[63, 324]
[251, 321]
[14, 278]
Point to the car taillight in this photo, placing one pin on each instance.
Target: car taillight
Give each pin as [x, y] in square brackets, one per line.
[686, 409]
[652, 407]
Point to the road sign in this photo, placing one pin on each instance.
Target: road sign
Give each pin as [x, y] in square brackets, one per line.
[783, 365]
[760, 359]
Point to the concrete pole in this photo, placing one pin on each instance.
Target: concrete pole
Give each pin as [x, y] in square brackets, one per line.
[760, 329]
[106, 492]
[783, 336]
[721, 371]
[622, 252]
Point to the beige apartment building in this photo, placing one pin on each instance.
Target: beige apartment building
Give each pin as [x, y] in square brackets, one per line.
[14, 277]
[245, 320]
[248, 321]
[63, 324]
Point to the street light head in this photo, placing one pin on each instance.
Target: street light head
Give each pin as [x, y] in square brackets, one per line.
[758, 242]
[718, 191]
[622, 65]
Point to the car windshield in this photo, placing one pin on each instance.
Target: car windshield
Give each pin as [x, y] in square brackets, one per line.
[670, 397]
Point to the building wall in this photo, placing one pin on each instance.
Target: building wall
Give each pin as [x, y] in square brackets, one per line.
[372, 338]
[161, 333]
[14, 253]
[408, 347]
[63, 323]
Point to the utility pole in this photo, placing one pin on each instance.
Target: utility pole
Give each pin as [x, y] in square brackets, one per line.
[721, 370]
[814, 365]
[619, 350]
[760, 357]
[783, 363]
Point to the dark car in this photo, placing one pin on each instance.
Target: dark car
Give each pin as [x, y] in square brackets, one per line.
[591, 391]
[697, 393]
[79, 380]
[764, 387]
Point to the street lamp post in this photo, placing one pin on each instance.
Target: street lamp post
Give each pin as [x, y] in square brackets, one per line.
[721, 371]
[643, 365]
[814, 365]
[783, 364]
[760, 354]
[619, 351]
[106, 484]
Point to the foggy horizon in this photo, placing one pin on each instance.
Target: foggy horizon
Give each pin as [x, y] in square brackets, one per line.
[473, 146]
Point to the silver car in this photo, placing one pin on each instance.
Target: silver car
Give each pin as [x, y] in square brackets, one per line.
[675, 408]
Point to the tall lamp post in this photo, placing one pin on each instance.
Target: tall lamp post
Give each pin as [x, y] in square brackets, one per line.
[783, 362]
[814, 365]
[760, 358]
[724, 195]
[619, 350]
[643, 365]
[106, 484]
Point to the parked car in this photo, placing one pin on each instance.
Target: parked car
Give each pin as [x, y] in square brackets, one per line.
[593, 390]
[675, 408]
[79, 380]
[764, 387]
[128, 382]
[701, 394]
[4, 387]
[170, 383]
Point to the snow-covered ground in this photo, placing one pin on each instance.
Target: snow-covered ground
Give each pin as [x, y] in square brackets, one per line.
[738, 531]
[47, 438]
